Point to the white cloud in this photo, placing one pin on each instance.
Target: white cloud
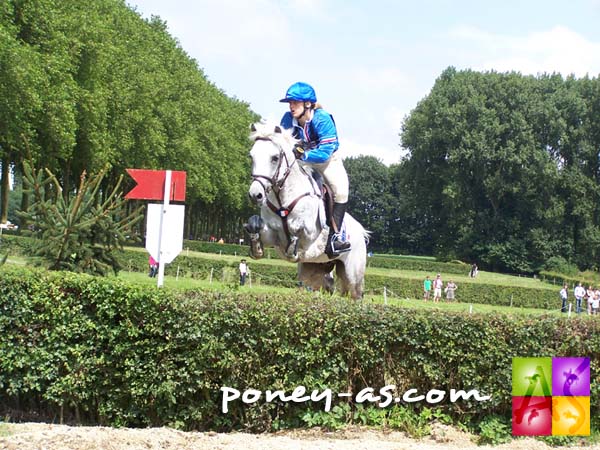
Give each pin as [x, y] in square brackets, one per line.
[558, 49]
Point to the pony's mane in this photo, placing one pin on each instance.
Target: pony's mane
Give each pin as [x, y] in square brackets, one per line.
[274, 132]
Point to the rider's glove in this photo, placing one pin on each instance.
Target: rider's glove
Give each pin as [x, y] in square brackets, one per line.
[298, 151]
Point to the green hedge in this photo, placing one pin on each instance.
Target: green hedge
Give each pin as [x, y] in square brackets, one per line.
[559, 278]
[418, 264]
[285, 275]
[471, 292]
[382, 261]
[109, 353]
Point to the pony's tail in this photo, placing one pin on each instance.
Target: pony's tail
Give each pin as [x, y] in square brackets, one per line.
[366, 236]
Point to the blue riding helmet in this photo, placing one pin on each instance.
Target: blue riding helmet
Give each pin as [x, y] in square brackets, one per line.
[300, 92]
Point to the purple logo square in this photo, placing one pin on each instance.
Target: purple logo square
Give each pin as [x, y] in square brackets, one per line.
[571, 376]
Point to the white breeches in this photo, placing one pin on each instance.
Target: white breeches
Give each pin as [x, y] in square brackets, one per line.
[335, 176]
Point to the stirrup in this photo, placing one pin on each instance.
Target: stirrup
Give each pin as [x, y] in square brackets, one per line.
[337, 245]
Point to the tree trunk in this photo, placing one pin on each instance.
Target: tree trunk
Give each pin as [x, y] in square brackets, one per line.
[5, 189]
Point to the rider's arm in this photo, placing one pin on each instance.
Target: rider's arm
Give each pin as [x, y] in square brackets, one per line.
[325, 129]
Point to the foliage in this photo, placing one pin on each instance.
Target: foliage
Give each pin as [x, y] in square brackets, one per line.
[494, 430]
[77, 232]
[112, 353]
[560, 265]
[371, 201]
[502, 169]
[90, 84]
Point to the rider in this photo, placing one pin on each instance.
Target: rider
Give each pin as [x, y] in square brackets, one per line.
[316, 129]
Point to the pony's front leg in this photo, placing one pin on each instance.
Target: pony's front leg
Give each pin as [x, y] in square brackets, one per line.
[292, 250]
[253, 228]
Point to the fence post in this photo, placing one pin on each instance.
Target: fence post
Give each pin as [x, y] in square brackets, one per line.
[211, 275]
[385, 295]
[471, 309]
[177, 276]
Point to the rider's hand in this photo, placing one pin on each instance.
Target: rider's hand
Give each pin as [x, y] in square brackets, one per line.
[298, 151]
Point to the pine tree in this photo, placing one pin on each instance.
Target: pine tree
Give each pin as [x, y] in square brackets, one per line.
[77, 231]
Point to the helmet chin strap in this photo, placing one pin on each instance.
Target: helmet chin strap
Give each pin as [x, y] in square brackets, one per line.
[304, 111]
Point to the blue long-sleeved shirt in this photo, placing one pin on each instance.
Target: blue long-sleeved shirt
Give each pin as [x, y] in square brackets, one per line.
[319, 135]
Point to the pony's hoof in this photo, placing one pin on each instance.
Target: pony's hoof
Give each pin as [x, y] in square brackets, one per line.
[256, 249]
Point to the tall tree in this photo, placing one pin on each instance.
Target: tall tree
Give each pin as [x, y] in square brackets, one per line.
[370, 200]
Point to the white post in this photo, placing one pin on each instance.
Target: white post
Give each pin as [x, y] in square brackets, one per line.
[250, 278]
[211, 274]
[470, 309]
[570, 307]
[385, 295]
[167, 195]
[177, 276]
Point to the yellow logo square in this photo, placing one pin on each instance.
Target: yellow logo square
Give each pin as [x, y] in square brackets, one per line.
[570, 416]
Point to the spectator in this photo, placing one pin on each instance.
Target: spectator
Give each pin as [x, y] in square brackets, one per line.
[473, 271]
[579, 294]
[596, 303]
[437, 288]
[426, 288]
[153, 267]
[450, 288]
[590, 296]
[564, 293]
[243, 272]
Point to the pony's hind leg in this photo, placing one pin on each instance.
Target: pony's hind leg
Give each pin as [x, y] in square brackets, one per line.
[350, 284]
[316, 276]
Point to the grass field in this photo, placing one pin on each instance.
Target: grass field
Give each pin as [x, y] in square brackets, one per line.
[172, 282]
[482, 277]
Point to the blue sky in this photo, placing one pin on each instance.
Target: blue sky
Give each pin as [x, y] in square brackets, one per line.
[372, 61]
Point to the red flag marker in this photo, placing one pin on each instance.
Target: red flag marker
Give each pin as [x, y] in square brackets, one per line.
[151, 185]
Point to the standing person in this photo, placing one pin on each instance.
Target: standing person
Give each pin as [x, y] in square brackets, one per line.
[316, 130]
[243, 272]
[153, 267]
[426, 288]
[450, 288]
[564, 293]
[590, 296]
[579, 294]
[596, 303]
[473, 271]
[437, 288]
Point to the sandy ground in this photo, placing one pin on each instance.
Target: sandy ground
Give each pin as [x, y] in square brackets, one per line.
[35, 436]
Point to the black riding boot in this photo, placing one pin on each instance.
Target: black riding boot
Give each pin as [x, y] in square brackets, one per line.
[335, 244]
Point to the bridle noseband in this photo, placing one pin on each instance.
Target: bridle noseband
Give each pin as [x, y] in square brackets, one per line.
[274, 182]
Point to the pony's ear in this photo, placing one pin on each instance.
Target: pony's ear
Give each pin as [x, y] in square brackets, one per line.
[277, 129]
[253, 127]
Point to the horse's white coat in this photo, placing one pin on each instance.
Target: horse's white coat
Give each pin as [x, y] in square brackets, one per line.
[272, 157]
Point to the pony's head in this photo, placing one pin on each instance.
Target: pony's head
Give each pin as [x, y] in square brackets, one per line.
[272, 158]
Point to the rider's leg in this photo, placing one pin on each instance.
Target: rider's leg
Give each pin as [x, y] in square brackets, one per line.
[336, 177]
[336, 242]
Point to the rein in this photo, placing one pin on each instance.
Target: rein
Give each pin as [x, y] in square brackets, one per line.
[276, 184]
